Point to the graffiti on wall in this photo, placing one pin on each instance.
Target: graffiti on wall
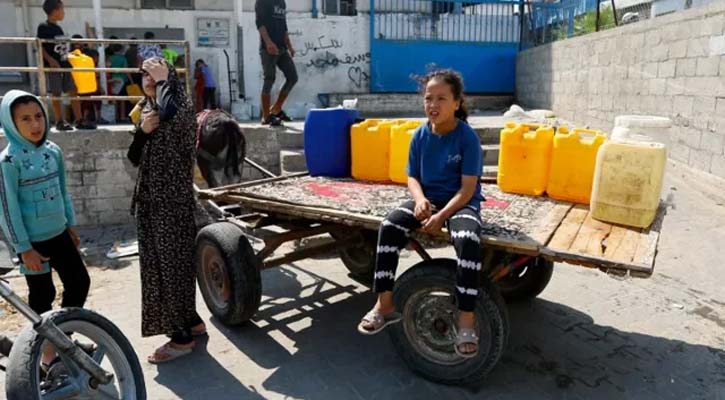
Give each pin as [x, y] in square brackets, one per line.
[325, 54]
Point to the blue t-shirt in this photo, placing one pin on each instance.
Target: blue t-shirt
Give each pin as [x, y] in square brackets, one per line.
[439, 161]
[208, 78]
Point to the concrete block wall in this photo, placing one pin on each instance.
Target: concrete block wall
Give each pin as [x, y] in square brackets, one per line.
[101, 180]
[672, 65]
[99, 177]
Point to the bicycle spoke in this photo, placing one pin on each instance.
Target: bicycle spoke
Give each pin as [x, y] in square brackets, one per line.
[99, 354]
[73, 369]
[70, 390]
[102, 391]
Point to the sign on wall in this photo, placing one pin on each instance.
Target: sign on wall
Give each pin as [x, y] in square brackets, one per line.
[212, 32]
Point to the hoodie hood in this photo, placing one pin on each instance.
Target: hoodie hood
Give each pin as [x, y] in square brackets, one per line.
[6, 118]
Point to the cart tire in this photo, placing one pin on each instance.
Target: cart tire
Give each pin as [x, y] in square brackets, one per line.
[426, 335]
[228, 273]
[359, 259]
[527, 282]
[23, 369]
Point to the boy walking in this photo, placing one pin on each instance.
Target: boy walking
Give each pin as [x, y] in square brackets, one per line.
[55, 56]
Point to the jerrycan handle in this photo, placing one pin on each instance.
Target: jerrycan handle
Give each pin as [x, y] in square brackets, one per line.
[597, 136]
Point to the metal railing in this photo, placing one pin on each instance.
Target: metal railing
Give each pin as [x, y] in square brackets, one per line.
[482, 21]
[40, 69]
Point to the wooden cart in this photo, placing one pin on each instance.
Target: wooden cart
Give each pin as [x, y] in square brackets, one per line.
[522, 238]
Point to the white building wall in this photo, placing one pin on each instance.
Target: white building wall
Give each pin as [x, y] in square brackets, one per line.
[333, 51]
[214, 5]
[76, 17]
[333, 56]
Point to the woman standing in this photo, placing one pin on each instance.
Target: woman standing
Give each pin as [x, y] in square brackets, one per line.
[164, 204]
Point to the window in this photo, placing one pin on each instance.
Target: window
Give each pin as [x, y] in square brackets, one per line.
[169, 4]
[339, 7]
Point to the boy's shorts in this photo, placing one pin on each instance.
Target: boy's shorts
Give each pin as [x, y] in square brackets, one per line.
[60, 82]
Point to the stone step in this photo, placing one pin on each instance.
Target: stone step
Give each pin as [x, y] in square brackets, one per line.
[292, 161]
[490, 154]
[290, 140]
[373, 105]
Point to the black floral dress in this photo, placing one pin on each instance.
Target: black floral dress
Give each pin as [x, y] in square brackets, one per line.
[164, 207]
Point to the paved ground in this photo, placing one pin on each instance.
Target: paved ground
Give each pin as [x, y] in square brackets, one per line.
[589, 336]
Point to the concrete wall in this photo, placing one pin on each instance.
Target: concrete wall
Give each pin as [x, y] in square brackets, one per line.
[333, 55]
[672, 66]
[101, 180]
[292, 5]
[129, 17]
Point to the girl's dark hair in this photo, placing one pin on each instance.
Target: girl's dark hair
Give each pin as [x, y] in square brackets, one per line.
[23, 100]
[455, 81]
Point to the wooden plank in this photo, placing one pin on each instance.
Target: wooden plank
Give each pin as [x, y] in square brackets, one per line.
[567, 231]
[588, 260]
[621, 244]
[647, 246]
[523, 225]
[551, 222]
[225, 189]
[590, 237]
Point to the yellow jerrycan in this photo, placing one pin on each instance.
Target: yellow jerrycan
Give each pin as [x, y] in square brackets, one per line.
[573, 157]
[85, 81]
[524, 158]
[370, 149]
[400, 136]
[628, 182]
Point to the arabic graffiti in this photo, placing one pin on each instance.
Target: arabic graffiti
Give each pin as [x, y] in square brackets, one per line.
[320, 55]
[331, 60]
[320, 45]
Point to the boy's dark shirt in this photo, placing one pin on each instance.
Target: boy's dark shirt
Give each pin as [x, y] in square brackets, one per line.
[271, 15]
[50, 30]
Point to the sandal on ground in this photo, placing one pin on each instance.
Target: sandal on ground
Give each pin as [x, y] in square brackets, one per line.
[272, 120]
[167, 353]
[283, 116]
[466, 336]
[378, 321]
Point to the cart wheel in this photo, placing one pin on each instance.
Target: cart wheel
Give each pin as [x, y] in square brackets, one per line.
[526, 282]
[427, 334]
[228, 273]
[360, 258]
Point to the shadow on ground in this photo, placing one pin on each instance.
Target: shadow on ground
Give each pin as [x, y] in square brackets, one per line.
[554, 352]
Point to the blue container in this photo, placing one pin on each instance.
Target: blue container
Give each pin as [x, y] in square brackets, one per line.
[327, 141]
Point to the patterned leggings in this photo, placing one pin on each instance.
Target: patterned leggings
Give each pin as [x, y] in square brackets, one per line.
[465, 229]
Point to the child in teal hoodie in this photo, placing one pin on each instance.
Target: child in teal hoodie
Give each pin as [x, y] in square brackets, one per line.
[37, 214]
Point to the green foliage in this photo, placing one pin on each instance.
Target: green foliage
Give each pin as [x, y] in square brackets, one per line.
[587, 23]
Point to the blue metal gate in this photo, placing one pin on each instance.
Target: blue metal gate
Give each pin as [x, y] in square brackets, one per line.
[478, 38]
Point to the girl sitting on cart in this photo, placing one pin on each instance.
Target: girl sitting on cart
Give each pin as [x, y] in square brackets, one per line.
[444, 166]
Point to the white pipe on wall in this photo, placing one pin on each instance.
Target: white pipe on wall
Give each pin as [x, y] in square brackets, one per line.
[29, 47]
[98, 22]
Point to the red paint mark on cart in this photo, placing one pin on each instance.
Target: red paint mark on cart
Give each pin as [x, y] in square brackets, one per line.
[323, 190]
[495, 203]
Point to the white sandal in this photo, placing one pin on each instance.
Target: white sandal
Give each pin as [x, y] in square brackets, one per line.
[466, 336]
[167, 353]
[378, 321]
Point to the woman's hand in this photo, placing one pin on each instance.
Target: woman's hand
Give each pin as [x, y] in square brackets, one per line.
[434, 224]
[423, 209]
[74, 236]
[157, 69]
[149, 121]
[33, 260]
